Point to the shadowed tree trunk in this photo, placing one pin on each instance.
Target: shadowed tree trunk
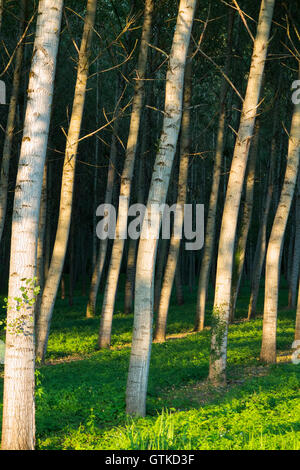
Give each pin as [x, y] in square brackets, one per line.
[261, 244]
[18, 425]
[296, 255]
[217, 370]
[98, 268]
[143, 309]
[10, 126]
[67, 186]
[297, 328]
[125, 189]
[240, 253]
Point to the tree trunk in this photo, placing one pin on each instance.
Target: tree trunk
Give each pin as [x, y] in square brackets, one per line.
[297, 328]
[221, 307]
[143, 309]
[273, 261]
[125, 189]
[296, 255]
[98, 268]
[18, 426]
[10, 126]
[213, 201]
[133, 243]
[261, 244]
[245, 224]
[65, 209]
[164, 302]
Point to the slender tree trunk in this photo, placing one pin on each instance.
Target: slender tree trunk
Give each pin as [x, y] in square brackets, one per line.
[133, 243]
[18, 425]
[296, 255]
[275, 246]
[221, 308]
[65, 209]
[164, 302]
[42, 230]
[178, 284]
[162, 251]
[98, 269]
[1, 13]
[261, 244]
[10, 127]
[125, 189]
[143, 310]
[213, 201]
[239, 260]
[297, 328]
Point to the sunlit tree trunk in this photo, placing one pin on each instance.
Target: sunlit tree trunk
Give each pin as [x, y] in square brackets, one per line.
[217, 371]
[126, 180]
[18, 425]
[239, 257]
[275, 245]
[66, 196]
[98, 268]
[169, 274]
[213, 201]
[143, 309]
[9, 133]
[296, 254]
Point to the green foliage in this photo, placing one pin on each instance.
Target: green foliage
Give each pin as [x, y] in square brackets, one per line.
[81, 394]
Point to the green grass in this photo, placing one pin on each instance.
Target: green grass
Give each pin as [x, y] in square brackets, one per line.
[81, 396]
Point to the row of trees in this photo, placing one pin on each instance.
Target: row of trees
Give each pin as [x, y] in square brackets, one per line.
[168, 136]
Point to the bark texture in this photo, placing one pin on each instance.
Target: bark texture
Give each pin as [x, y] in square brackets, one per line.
[143, 309]
[221, 307]
[18, 426]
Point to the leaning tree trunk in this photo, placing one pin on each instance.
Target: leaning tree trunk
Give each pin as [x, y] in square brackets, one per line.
[161, 322]
[275, 246]
[213, 201]
[125, 189]
[18, 426]
[143, 310]
[98, 268]
[217, 371]
[9, 132]
[296, 255]
[65, 209]
[239, 257]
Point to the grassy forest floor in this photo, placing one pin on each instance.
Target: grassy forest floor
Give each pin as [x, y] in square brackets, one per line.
[81, 392]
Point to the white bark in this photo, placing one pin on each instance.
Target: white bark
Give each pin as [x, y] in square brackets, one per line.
[233, 196]
[67, 186]
[18, 428]
[169, 274]
[143, 309]
[213, 200]
[125, 189]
